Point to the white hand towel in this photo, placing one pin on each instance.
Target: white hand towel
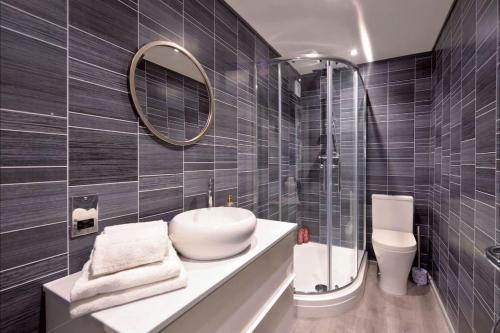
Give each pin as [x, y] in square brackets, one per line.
[87, 286]
[158, 227]
[104, 301]
[116, 252]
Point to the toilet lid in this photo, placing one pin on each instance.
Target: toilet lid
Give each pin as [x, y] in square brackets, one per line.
[394, 240]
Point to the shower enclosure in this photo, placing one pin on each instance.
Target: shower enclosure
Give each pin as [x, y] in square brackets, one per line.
[321, 166]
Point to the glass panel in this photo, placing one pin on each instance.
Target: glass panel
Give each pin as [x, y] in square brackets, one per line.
[300, 136]
[361, 169]
[315, 172]
[344, 204]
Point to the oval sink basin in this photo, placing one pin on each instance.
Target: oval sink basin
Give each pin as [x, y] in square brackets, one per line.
[212, 233]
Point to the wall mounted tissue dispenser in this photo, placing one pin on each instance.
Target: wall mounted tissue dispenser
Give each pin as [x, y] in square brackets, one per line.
[84, 215]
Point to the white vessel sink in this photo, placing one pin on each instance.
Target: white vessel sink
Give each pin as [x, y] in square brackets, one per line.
[212, 233]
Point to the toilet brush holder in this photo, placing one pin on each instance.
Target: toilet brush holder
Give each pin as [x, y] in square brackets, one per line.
[418, 274]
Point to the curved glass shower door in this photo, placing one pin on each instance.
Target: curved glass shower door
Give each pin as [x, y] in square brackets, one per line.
[320, 128]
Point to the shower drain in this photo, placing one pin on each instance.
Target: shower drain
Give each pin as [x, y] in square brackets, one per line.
[320, 288]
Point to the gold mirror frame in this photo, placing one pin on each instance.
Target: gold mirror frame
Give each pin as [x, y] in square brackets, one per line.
[132, 88]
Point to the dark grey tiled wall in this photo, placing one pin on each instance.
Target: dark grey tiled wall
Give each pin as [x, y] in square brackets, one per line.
[68, 129]
[398, 131]
[465, 163]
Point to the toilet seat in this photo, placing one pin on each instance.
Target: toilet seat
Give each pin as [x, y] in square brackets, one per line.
[394, 241]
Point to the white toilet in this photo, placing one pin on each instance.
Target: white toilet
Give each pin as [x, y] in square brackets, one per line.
[393, 240]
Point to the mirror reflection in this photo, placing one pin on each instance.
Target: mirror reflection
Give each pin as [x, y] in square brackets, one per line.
[172, 93]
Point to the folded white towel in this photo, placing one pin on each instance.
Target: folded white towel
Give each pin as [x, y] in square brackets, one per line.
[158, 227]
[115, 252]
[104, 301]
[87, 286]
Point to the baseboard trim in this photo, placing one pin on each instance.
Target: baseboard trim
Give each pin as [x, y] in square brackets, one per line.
[451, 329]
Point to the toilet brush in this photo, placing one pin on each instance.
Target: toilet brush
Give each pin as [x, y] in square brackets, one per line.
[419, 274]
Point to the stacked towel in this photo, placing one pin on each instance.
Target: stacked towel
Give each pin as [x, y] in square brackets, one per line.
[127, 268]
[129, 245]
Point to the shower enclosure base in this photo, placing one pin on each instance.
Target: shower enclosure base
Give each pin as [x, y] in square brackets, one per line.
[332, 303]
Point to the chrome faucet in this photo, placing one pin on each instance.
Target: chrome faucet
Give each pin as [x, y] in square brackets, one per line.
[210, 192]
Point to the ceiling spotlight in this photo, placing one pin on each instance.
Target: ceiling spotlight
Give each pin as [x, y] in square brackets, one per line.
[354, 52]
[176, 50]
[312, 54]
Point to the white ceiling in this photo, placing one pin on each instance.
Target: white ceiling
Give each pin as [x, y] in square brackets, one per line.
[378, 29]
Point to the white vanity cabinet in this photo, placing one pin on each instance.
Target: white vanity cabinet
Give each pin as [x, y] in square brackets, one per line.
[250, 292]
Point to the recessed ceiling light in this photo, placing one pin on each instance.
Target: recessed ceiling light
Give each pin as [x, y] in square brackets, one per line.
[354, 52]
[312, 54]
[176, 50]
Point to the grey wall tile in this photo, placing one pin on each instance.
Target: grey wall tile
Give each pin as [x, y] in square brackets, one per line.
[21, 307]
[86, 47]
[21, 121]
[110, 20]
[96, 100]
[40, 79]
[168, 16]
[14, 19]
[28, 245]
[24, 274]
[32, 149]
[22, 204]
[160, 202]
[156, 158]
[101, 157]
[51, 10]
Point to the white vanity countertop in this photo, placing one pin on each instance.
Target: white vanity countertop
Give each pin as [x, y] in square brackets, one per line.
[154, 313]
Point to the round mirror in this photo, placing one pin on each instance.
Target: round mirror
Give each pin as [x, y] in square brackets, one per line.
[171, 93]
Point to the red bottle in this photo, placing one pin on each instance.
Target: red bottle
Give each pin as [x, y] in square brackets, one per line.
[306, 234]
[300, 236]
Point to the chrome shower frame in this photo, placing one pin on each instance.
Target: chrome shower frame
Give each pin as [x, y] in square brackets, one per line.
[327, 160]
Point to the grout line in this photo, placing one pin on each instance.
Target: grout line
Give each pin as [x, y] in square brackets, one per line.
[103, 117]
[95, 84]
[33, 113]
[127, 5]
[101, 39]
[29, 228]
[161, 25]
[32, 167]
[33, 132]
[32, 280]
[101, 130]
[96, 66]
[100, 184]
[33, 37]
[32, 262]
[34, 183]
[32, 15]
